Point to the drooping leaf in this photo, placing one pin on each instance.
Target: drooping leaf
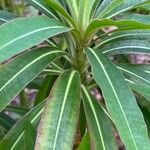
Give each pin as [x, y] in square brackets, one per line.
[16, 134]
[120, 101]
[30, 31]
[15, 75]
[59, 120]
[98, 124]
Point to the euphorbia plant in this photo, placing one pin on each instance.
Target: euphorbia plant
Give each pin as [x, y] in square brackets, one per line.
[72, 59]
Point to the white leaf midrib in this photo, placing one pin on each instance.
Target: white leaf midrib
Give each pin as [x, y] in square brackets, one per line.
[62, 108]
[120, 36]
[132, 73]
[95, 115]
[123, 47]
[115, 93]
[25, 67]
[3, 19]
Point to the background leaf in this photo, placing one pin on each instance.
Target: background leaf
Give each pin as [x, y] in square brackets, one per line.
[16, 134]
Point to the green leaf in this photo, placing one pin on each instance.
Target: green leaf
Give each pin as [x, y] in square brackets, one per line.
[59, 120]
[6, 16]
[24, 68]
[42, 6]
[85, 7]
[107, 6]
[146, 6]
[138, 17]
[120, 101]
[44, 89]
[16, 134]
[98, 123]
[51, 72]
[73, 7]
[30, 31]
[95, 25]
[145, 108]
[124, 46]
[126, 5]
[117, 36]
[138, 77]
[6, 121]
[140, 73]
[56, 6]
[82, 121]
[18, 110]
[140, 88]
[85, 143]
[29, 136]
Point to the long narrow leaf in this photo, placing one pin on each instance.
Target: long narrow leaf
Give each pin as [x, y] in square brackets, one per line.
[44, 89]
[42, 6]
[95, 25]
[55, 5]
[16, 134]
[30, 31]
[107, 6]
[126, 5]
[59, 120]
[6, 121]
[98, 124]
[124, 35]
[23, 69]
[140, 73]
[120, 102]
[123, 46]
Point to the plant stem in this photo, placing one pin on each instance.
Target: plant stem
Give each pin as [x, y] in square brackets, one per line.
[80, 62]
